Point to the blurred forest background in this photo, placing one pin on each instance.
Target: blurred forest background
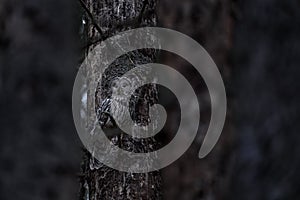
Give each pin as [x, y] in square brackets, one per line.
[256, 45]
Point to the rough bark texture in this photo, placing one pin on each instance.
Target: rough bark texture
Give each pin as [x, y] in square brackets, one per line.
[99, 181]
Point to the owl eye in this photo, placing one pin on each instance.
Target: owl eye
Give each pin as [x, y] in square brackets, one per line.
[114, 84]
[125, 83]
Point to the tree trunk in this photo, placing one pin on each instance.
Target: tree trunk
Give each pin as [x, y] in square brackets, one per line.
[103, 19]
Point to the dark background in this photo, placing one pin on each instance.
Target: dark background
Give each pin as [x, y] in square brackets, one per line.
[40, 151]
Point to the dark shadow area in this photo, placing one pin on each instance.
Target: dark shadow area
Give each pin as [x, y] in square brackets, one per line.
[40, 150]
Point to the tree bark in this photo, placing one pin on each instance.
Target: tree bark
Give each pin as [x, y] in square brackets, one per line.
[104, 19]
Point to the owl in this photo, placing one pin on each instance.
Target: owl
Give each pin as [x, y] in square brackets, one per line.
[127, 93]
